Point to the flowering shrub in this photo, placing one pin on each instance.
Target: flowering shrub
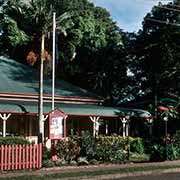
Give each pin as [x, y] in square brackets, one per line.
[81, 150]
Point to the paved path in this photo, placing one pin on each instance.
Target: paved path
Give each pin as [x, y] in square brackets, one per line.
[70, 169]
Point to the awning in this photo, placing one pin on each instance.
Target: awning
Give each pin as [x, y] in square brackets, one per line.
[72, 109]
[95, 110]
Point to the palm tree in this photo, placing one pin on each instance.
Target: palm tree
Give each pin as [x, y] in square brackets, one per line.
[40, 15]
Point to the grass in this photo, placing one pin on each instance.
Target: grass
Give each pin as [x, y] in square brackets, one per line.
[135, 157]
[61, 175]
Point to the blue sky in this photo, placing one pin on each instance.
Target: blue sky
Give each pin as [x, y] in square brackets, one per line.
[128, 14]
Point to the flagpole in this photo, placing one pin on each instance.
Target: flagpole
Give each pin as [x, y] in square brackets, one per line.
[53, 58]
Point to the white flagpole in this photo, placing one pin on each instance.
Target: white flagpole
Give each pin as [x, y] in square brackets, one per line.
[53, 58]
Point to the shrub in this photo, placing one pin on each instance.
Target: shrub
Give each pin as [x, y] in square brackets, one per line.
[110, 148]
[172, 152]
[73, 150]
[48, 163]
[118, 156]
[157, 153]
[87, 149]
[61, 149]
[176, 138]
[13, 140]
[87, 145]
[46, 154]
[174, 149]
[137, 146]
[68, 150]
[82, 161]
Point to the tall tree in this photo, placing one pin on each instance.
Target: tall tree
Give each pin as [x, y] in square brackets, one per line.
[155, 52]
[99, 45]
[92, 49]
[39, 15]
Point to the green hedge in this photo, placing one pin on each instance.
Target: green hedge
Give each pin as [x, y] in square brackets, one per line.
[13, 141]
[110, 148]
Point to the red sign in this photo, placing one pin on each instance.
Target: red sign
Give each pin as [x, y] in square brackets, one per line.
[57, 124]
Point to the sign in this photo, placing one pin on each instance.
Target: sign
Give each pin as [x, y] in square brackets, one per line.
[57, 124]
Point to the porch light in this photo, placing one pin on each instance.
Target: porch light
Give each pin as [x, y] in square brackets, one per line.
[165, 119]
[150, 120]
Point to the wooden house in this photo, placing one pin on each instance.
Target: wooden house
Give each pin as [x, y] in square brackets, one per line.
[19, 87]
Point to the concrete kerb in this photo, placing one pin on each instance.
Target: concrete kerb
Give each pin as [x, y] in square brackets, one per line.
[123, 175]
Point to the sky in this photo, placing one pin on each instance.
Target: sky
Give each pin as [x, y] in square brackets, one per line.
[128, 14]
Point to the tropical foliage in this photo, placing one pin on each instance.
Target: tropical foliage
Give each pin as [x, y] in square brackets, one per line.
[88, 43]
[92, 51]
[155, 51]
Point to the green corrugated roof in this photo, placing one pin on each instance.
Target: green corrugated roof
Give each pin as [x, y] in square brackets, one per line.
[11, 107]
[72, 109]
[19, 78]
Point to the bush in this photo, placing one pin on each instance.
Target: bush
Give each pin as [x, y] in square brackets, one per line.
[172, 152]
[137, 146]
[61, 149]
[82, 161]
[173, 149]
[46, 154]
[117, 156]
[110, 148]
[68, 150]
[157, 153]
[87, 149]
[48, 163]
[13, 140]
[87, 145]
[176, 138]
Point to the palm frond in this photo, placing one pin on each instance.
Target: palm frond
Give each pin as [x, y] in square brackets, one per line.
[62, 27]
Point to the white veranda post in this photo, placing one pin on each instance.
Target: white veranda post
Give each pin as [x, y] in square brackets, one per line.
[96, 125]
[43, 121]
[4, 117]
[124, 121]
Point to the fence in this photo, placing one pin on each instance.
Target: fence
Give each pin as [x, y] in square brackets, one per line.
[16, 157]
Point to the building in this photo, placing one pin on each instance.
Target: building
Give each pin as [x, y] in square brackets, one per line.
[83, 110]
